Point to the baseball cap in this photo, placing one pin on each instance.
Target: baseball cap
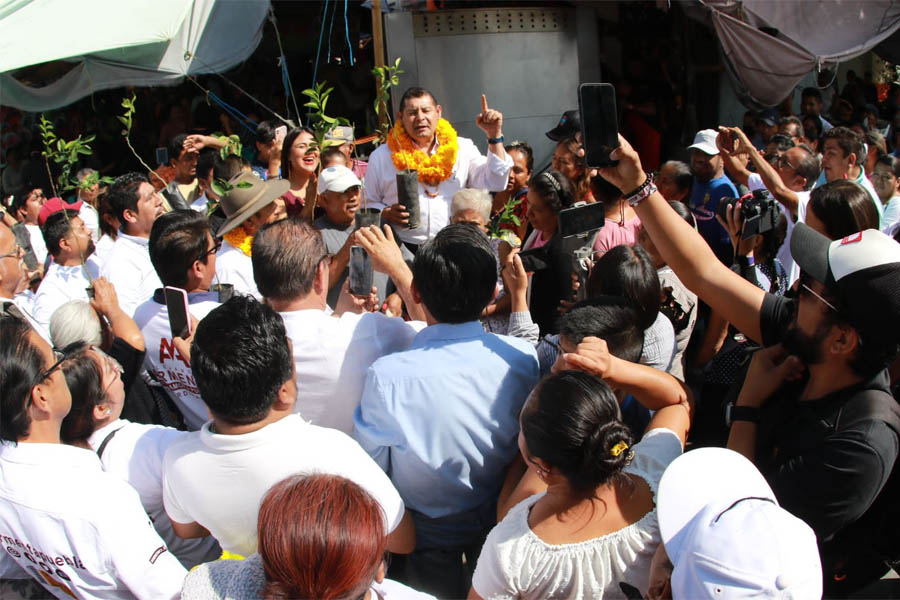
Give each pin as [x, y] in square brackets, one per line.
[56, 204]
[337, 179]
[770, 117]
[705, 141]
[569, 124]
[862, 269]
[340, 134]
[727, 537]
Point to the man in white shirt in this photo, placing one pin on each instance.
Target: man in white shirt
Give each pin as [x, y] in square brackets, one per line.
[214, 479]
[135, 203]
[789, 179]
[420, 128]
[13, 280]
[331, 351]
[69, 275]
[27, 209]
[250, 204]
[80, 532]
[183, 252]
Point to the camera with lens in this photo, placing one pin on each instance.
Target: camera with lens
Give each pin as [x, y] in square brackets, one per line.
[759, 211]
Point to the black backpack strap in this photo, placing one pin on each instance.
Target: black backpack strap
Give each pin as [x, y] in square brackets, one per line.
[106, 441]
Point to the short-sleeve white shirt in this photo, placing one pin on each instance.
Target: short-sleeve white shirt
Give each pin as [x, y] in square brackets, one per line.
[219, 480]
[332, 355]
[134, 454]
[129, 269]
[472, 169]
[70, 525]
[516, 563]
[236, 268]
[163, 360]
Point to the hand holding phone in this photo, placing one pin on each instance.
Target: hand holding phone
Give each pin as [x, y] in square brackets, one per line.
[179, 316]
[280, 133]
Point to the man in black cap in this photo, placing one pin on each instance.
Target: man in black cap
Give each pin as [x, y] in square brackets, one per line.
[569, 124]
[815, 412]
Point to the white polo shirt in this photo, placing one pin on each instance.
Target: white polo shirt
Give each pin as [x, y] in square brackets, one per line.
[236, 268]
[332, 355]
[134, 454]
[219, 480]
[472, 170]
[129, 269]
[59, 285]
[78, 531]
[165, 363]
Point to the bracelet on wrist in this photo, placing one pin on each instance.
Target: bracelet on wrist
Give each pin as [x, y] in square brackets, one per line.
[644, 191]
[495, 140]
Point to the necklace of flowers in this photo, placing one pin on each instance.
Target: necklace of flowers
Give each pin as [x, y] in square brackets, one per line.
[432, 169]
[240, 239]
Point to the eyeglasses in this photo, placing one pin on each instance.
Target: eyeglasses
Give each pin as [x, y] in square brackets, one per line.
[44, 375]
[16, 252]
[110, 363]
[782, 161]
[805, 288]
[217, 243]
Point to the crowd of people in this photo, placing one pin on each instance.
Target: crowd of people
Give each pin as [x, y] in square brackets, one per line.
[691, 399]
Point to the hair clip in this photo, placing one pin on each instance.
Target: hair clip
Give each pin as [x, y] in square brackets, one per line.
[618, 449]
[552, 181]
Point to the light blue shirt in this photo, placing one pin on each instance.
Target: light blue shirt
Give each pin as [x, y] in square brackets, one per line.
[442, 418]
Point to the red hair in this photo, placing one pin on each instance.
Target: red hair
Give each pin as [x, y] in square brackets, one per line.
[320, 536]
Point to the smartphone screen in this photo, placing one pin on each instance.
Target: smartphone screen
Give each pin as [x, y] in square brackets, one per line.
[361, 273]
[177, 307]
[280, 132]
[534, 260]
[162, 156]
[581, 219]
[599, 129]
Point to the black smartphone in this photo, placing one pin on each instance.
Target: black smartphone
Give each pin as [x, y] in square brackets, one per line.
[361, 272]
[177, 307]
[599, 129]
[581, 219]
[534, 260]
[162, 156]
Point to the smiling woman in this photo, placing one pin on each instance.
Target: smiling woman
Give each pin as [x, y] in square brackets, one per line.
[299, 160]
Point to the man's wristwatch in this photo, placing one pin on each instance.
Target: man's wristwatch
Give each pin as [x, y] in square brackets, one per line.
[740, 413]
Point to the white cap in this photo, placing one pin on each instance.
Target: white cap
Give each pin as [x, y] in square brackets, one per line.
[705, 141]
[726, 535]
[337, 179]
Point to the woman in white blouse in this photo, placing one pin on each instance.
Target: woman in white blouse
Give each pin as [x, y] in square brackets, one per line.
[594, 531]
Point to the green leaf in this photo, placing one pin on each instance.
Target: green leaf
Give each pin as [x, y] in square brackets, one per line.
[515, 220]
[243, 185]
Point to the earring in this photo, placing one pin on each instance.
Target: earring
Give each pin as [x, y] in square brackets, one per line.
[108, 411]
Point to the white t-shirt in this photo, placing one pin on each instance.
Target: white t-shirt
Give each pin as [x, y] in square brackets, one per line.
[332, 355]
[516, 563]
[134, 453]
[59, 285]
[91, 220]
[102, 250]
[755, 182]
[219, 480]
[129, 269]
[78, 531]
[37, 242]
[236, 268]
[165, 363]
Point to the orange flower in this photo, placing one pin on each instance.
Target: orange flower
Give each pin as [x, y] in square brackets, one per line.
[238, 238]
[432, 169]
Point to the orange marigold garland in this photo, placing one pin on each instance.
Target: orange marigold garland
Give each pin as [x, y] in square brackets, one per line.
[432, 169]
[240, 239]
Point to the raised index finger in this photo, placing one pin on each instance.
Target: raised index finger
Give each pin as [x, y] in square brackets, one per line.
[484, 105]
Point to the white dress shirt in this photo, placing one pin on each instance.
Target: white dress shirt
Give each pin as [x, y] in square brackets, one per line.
[129, 269]
[61, 284]
[332, 354]
[236, 268]
[472, 170]
[80, 532]
[91, 220]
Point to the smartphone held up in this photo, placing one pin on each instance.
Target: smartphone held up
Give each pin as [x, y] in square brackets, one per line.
[599, 126]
